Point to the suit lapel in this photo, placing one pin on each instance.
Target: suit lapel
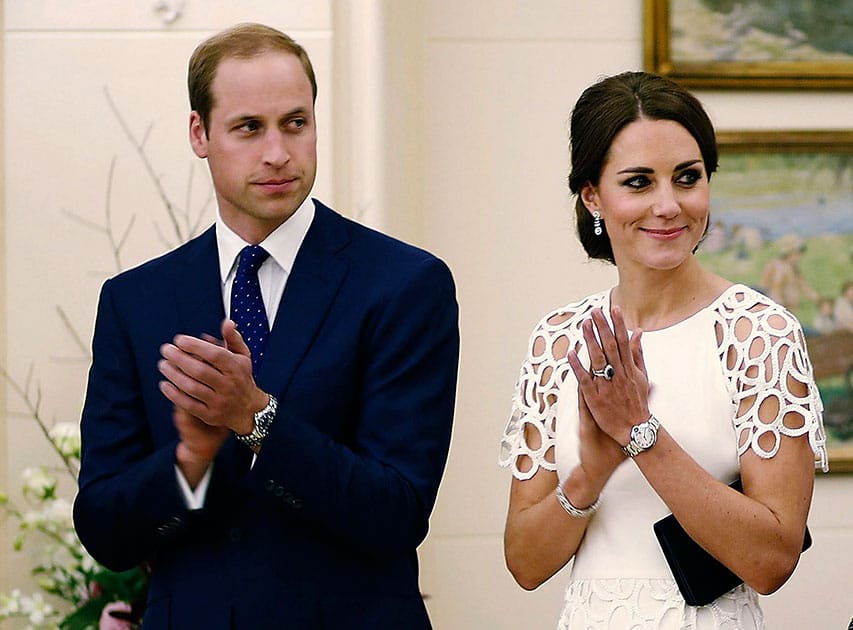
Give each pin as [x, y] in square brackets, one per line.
[198, 297]
[198, 287]
[316, 277]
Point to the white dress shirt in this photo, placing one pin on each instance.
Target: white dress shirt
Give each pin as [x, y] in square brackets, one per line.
[282, 245]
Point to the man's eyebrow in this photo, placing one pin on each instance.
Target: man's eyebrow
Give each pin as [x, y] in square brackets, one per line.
[241, 118]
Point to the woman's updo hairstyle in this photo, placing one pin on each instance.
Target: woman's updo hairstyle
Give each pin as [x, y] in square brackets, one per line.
[602, 111]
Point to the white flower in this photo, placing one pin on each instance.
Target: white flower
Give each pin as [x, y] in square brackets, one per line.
[87, 563]
[10, 604]
[60, 512]
[36, 609]
[31, 519]
[66, 437]
[39, 483]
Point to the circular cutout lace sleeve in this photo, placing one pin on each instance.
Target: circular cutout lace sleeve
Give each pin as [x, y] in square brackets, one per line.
[763, 352]
[529, 438]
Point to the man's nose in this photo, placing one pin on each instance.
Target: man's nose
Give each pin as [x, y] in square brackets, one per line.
[276, 153]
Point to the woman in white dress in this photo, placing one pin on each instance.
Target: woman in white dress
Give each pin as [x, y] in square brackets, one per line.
[653, 396]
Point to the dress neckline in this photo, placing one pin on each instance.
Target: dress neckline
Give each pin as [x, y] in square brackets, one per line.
[722, 297]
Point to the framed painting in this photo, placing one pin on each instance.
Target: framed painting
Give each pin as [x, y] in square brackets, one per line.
[751, 43]
[782, 223]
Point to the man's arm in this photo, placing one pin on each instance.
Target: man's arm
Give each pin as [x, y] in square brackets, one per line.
[377, 490]
[129, 502]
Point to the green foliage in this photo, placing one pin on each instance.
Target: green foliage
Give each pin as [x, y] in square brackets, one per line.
[63, 570]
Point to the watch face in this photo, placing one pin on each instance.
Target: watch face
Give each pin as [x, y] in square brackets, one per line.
[643, 435]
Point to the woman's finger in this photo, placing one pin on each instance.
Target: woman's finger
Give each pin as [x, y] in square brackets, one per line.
[597, 359]
[607, 339]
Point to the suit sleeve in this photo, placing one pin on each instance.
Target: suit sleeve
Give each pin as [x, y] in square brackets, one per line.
[129, 502]
[377, 491]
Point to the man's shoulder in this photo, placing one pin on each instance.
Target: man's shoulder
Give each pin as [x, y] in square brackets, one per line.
[370, 245]
[201, 245]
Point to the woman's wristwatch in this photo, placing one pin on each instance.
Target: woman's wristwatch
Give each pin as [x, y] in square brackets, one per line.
[643, 437]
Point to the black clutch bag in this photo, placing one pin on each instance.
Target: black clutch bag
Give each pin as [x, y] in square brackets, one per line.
[701, 578]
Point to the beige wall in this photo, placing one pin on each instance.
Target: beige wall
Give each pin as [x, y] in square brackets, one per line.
[500, 79]
[4, 538]
[70, 164]
[443, 122]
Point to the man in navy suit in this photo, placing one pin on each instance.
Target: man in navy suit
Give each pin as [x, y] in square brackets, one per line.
[293, 494]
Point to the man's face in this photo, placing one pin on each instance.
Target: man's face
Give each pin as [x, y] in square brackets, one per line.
[260, 142]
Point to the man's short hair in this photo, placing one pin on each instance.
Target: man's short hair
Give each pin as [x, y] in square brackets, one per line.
[242, 41]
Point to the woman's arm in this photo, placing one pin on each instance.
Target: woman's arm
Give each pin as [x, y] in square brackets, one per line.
[540, 536]
[759, 533]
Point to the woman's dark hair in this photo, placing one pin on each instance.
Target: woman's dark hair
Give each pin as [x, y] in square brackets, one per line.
[603, 110]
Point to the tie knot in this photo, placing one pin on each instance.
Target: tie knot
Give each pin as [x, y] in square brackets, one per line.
[251, 259]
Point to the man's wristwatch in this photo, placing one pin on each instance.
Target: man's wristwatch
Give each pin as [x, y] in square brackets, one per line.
[263, 422]
[643, 437]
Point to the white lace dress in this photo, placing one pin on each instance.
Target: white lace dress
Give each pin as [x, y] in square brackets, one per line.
[619, 577]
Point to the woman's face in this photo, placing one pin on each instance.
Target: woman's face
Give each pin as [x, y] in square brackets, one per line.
[653, 195]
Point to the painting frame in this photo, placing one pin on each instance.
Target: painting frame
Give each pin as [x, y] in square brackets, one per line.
[782, 73]
[831, 355]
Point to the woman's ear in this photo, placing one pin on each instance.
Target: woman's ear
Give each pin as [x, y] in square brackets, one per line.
[589, 197]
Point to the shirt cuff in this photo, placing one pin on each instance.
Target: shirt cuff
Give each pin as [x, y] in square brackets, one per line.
[194, 499]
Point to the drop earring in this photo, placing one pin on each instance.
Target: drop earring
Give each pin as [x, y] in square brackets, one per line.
[596, 223]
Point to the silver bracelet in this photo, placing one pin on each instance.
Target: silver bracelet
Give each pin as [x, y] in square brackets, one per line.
[571, 510]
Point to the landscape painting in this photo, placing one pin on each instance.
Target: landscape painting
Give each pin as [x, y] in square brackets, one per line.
[751, 43]
[782, 223]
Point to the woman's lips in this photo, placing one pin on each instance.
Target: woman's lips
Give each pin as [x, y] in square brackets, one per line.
[665, 234]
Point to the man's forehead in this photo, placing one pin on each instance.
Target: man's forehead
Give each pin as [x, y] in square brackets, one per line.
[262, 76]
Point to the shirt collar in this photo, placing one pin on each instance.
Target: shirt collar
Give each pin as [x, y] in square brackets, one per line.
[282, 244]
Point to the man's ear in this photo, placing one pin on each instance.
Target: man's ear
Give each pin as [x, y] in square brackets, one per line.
[198, 135]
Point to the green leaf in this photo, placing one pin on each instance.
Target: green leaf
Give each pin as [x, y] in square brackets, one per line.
[124, 586]
[85, 617]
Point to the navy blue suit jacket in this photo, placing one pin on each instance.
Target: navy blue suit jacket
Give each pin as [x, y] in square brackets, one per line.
[321, 532]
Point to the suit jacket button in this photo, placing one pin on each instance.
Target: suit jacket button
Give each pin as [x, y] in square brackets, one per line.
[269, 484]
[279, 491]
[296, 504]
[235, 534]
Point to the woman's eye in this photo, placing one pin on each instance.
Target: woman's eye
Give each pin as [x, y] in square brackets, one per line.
[638, 181]
[689, 177]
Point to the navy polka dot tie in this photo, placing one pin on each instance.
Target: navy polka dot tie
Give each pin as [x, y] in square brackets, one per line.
[247, 305]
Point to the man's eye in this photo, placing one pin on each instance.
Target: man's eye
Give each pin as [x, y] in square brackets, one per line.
[298, 123]
[250, 125]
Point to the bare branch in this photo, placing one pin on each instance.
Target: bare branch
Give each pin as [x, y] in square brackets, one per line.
[33, 405]
[84, 222]
[140, 151]
[75, 336]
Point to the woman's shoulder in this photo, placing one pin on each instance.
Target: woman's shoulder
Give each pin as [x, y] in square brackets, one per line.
[559, 319]
[740, 300]
[746, 316]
